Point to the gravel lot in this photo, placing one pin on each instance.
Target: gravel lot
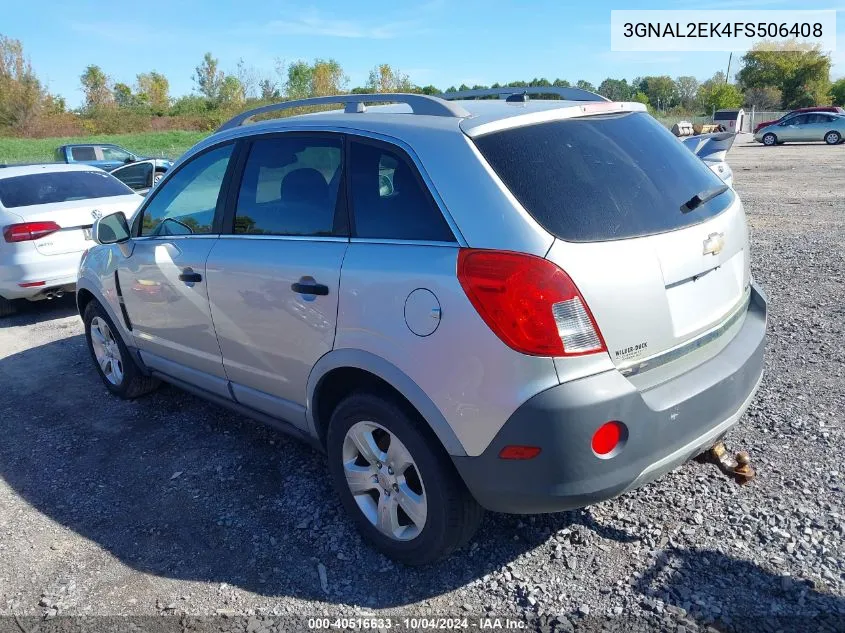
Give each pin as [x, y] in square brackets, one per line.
[169, 505]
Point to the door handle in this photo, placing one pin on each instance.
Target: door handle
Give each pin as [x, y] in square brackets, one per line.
[309, 288]
[189, 276]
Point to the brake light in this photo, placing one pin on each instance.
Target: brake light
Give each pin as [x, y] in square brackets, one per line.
[28, 231]
[529, 303]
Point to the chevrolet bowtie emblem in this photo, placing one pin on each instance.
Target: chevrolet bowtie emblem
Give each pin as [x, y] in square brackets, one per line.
[714, 244]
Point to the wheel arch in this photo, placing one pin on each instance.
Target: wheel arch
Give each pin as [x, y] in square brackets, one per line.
[343, 371]
[86, 292]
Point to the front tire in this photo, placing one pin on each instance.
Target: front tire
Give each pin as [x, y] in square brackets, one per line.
[770, 139]
[157, 177]
[397, 483]
[116, 366]
[833, 138]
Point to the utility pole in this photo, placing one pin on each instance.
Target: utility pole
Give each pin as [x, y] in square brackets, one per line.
[728, 74]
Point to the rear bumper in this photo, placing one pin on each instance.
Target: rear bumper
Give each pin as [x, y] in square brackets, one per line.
[667, 425]
[56, 271]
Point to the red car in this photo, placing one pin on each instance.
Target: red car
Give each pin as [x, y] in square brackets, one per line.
[835, 109]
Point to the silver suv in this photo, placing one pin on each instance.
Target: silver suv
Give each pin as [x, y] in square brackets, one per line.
[525, 306]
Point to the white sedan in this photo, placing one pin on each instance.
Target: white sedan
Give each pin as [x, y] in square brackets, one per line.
[46, 213]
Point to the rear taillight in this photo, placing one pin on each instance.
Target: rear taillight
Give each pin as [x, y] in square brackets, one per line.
[28, 231]
[529, 303]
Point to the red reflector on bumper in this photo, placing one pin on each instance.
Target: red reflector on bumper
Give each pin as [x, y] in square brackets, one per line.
[608, 436]
[32, 284]
[519, 452]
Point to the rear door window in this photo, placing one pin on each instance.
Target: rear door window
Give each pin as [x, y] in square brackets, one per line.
[603, 177]
[290, 186]
[83, 153]
[114, 154]
[389, 198]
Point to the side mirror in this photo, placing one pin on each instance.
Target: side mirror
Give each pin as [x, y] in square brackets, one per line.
[111, 229]
[129, 159]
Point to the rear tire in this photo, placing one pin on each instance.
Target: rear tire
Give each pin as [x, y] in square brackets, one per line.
[117, 368]
[405, 467]
[833, 138]
[770, 139]
[7, 308]
[157, 177]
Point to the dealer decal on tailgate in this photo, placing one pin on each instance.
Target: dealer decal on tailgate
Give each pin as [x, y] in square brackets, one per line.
[630, 352]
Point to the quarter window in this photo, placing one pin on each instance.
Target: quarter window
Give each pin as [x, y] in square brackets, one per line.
[290, 186]
[389, 199]
[186, 203]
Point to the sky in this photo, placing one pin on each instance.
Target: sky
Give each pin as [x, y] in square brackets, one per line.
[438, 42]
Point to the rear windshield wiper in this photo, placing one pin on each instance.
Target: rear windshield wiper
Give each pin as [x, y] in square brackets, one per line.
[700, 198]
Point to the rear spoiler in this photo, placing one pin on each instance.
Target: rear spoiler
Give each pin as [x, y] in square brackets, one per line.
[710, 147]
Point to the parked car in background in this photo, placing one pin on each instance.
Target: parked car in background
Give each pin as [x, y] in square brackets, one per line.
[713, 150]
[139, 176]
[813, 126]
[524, 306]
[106, 156]
[46, 214]
[831, 109]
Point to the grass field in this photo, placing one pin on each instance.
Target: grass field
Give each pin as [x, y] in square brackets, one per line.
[157, 144]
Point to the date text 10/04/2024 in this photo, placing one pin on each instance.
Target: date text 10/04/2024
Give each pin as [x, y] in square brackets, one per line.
[415, 624]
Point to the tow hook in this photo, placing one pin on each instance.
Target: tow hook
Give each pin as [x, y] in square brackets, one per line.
[737, 466]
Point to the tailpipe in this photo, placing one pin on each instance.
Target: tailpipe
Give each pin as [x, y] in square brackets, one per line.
[737, 466]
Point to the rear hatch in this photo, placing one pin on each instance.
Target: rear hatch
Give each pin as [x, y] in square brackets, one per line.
[70, 199]
[655, 242]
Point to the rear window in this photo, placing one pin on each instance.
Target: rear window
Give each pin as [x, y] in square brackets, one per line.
[603, 177]
[58, 186]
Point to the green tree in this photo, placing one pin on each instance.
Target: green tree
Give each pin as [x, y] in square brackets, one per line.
[232, 91]
[585, 85]
[21, 93]
[298, 84]
[384, 78]
[768, 98]
[97, 88]
[560, 83]
[802, 75]
[268, 90]
[154, 90]
[687, 91]
[837, 92]
[430, 90]
[661, 90]
[328, 78]
[640, 97]
[714, 95]
[209, 77]
[123, 96]
[540, 82]
[615, 89]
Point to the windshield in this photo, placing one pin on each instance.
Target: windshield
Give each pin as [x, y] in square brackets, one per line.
[603, 177]
[58, 186]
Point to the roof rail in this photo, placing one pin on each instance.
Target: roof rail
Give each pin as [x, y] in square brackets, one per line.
[420, 104]
[571, 94]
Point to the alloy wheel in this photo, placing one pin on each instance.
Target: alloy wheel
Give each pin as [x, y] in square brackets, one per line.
[106, 351]
[384, 480]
